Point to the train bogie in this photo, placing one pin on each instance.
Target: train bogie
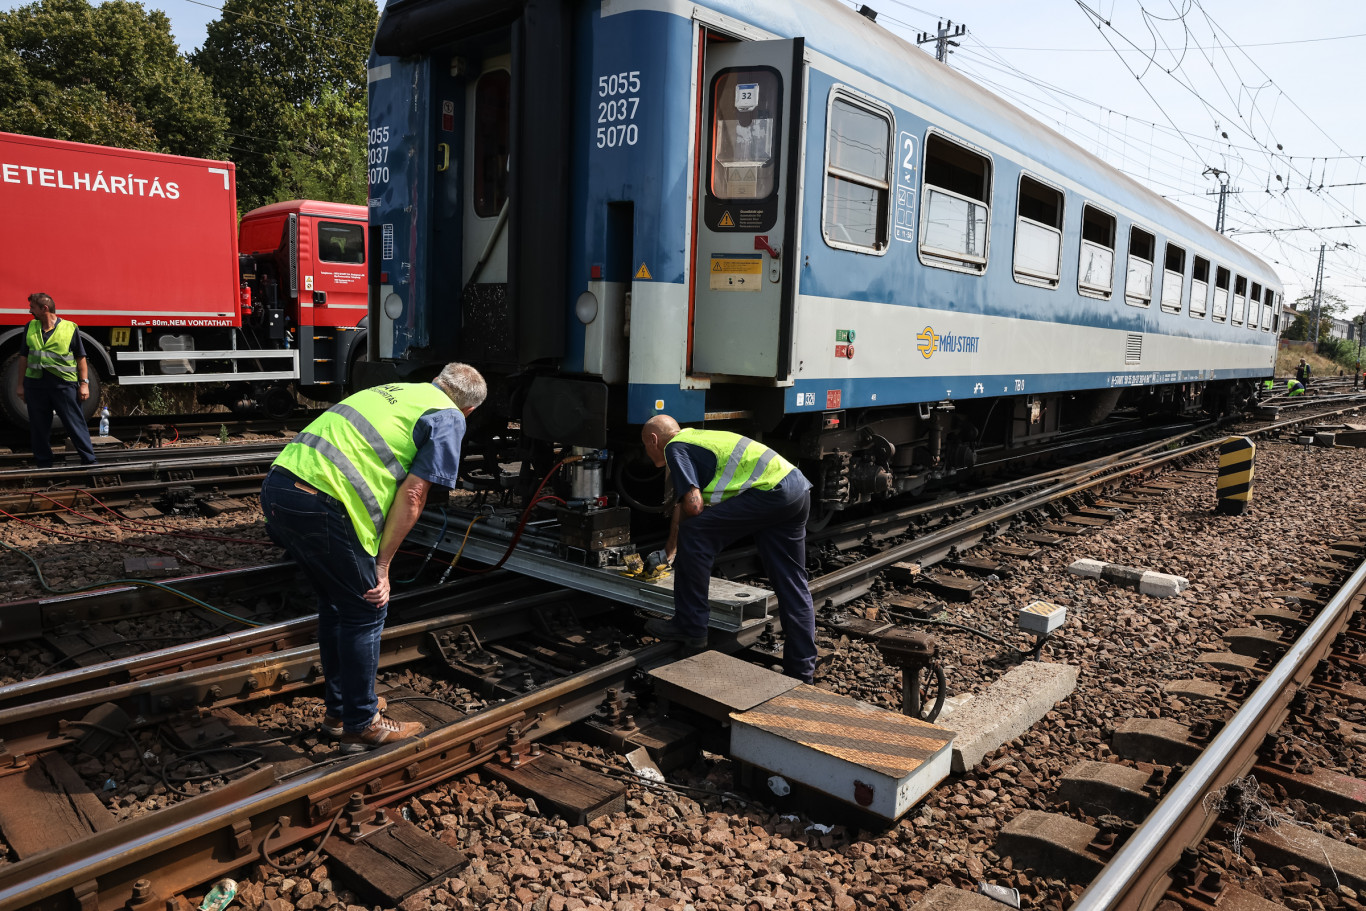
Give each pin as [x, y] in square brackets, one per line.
[778, 218]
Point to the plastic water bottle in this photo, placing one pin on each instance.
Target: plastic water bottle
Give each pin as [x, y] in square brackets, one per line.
[104, 421]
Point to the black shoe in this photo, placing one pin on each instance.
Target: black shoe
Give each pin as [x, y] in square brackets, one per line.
[665, 631]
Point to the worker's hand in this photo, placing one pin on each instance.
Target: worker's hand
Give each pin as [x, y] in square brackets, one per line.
[84, 392]
[21, 392]
[379, 595]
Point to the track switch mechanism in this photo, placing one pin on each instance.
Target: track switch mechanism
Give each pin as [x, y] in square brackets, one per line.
[917, 655]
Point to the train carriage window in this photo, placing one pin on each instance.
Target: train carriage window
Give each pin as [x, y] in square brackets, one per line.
[1268, 310]
[954, 213]
[1239, 300]
[1138, 280]
[1038, 233]
[1254, 310]
[856, 181]
[1276, 315]
[1199, 287]
[341, 242]
[744, 138]
[1221, 294]
[1173, 277]
[1096, 267]
[492, 105]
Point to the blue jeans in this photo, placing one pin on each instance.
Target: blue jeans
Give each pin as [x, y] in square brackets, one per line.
[777, 520]
[316, 531]
[43, 400]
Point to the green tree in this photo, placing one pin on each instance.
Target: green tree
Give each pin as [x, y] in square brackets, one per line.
[292, 78]
[326, 160]
[108, 74]
[1298, 328]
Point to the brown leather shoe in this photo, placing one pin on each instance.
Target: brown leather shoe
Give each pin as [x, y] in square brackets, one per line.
[331, 725]
[383, 730]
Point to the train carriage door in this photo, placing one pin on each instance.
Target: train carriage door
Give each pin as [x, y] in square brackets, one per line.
[751, 127]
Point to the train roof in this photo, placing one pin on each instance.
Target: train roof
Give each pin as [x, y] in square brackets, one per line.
[843, 34]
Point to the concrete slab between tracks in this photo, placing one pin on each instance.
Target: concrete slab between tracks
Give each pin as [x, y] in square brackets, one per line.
[1007, 709]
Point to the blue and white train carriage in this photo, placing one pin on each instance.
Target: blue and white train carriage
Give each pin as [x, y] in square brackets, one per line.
[781, 217]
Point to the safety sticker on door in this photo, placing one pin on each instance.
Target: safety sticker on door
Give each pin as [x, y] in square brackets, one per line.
[737, 272]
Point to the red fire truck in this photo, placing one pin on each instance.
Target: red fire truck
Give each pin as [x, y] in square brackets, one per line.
[144, 253]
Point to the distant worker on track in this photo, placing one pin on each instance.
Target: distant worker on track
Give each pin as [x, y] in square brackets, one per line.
[340, 499]
[1303, 371]
[55, 380]
[1294, 387]
[728, 486]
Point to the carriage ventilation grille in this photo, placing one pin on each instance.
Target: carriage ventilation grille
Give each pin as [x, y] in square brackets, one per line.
[1133, 349]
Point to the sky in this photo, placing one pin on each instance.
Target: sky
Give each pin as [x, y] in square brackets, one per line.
[1180, 94]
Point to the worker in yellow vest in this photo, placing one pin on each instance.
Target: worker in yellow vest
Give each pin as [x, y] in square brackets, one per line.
[729, 486]
[340, 499]
[56, 379]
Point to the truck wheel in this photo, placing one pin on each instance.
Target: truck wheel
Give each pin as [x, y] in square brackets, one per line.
[91, 406]
[13, 408]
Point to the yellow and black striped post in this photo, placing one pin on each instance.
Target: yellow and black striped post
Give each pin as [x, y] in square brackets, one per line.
[1235, 475]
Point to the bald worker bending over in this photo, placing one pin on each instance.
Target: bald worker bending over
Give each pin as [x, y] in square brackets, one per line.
[729, 486]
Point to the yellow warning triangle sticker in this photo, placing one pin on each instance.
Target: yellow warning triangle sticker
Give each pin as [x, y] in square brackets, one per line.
[726, 221]
[716, 265]
[643, 272]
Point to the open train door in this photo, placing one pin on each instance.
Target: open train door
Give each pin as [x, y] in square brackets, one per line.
[751, 125]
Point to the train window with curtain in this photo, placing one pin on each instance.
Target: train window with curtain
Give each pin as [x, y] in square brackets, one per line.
[1173, 277]
[857, 150]
[1268, 310]
[1038, 233]
[746, 105]
[1096, 266]
[1219, 313]
[955, 215]
[492, 105]
[1199, 287]
[1138, 279]
[1254, 309]
[1239, 300]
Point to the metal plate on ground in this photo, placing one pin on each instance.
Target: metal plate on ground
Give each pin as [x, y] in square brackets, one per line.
[866, 756]
[717, 685]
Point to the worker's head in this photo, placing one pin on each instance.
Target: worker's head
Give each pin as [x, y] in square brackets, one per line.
[1301, 362]
[656, 434]
[40, 303]
[464, 385]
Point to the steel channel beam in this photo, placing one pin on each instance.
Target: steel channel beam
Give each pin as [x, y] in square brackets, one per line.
[1138, 874]
[34, 728]
[535, 557]
[209, 836]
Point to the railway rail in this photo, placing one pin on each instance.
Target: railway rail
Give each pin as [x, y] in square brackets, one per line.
[200, 838]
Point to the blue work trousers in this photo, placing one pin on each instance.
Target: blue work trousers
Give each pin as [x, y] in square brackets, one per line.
[777, 520]
[316, 531]
[44, 399]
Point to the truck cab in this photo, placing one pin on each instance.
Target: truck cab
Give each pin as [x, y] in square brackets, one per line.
[303, 268]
